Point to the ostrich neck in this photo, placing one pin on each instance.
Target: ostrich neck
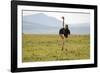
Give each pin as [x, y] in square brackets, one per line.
[63, 23]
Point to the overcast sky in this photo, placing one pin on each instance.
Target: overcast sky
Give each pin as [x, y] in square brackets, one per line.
[79, 18]
[70, 17]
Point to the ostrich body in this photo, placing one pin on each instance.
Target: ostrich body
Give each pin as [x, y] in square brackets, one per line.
[64, 32]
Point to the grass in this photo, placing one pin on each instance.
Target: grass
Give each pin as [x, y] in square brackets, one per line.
[48, 48]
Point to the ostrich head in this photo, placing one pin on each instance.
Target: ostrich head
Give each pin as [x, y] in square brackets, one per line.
[62, 17]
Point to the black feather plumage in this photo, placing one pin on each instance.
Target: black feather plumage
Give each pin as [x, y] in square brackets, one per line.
[64, 31]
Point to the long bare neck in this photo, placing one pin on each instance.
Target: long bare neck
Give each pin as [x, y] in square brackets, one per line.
[63, 23]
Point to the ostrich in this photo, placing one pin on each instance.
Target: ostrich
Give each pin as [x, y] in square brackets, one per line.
[64, 32]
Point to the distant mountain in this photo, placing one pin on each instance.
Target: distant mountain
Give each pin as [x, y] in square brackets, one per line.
[42, 19]
[37, 28]
[80, 30]
[43, 24]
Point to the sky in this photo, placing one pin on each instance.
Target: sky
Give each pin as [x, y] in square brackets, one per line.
[70, 17]
[77, 19]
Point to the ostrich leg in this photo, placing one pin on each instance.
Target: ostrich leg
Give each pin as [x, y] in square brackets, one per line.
[63, 44]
